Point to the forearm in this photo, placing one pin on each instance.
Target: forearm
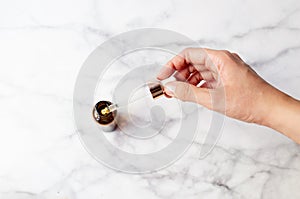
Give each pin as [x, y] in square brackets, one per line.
[284, 115]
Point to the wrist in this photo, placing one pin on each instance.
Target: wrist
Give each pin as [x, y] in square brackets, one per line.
[270, 101]
[282, 114]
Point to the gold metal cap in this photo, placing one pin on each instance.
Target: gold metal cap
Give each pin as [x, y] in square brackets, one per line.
[156, 89]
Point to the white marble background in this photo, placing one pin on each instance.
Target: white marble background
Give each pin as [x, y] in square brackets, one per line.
[43, 44]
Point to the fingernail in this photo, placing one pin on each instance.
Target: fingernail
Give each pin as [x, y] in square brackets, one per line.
[170, 89]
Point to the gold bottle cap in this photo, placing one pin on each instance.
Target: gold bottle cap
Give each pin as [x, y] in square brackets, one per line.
[156, 89]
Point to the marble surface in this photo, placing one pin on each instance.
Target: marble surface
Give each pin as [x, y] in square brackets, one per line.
[43, 45]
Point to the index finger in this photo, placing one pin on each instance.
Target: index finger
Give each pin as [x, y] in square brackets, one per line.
[186, 58]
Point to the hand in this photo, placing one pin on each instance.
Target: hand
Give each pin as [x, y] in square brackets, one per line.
[230, 83]
[232, 88]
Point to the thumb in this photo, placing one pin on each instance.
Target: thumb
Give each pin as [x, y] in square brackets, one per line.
[188, 92]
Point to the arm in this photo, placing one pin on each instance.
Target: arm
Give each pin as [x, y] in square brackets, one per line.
[284, 115]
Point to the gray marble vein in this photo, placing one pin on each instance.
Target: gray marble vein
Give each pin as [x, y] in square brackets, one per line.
[43, 45]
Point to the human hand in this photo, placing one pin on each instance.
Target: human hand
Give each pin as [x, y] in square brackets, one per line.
[231, 86]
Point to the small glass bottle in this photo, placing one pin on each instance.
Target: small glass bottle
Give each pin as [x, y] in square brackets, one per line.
[104, 113]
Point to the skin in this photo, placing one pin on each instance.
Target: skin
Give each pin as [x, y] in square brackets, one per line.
[228, 79]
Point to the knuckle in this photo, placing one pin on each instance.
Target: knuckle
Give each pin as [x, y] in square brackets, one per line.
[226, 52]
[184, 51]
[187, 51]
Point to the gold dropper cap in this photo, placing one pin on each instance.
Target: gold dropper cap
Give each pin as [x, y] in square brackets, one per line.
[156, 89]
